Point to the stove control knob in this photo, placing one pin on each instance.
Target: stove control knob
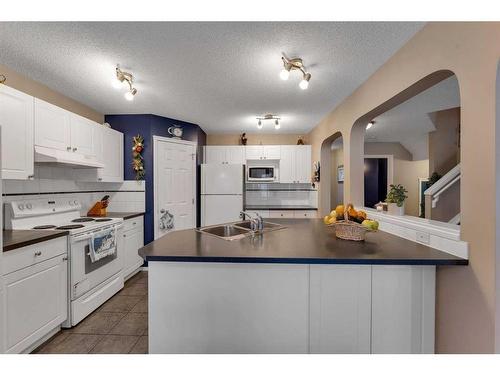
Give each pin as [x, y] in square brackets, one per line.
[71, 203]
[29, 206]
[20, 206]
[75, 202]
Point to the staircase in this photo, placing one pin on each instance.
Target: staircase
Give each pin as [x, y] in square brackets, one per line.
[451, 207]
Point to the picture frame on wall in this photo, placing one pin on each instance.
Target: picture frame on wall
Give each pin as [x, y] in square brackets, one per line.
[340, 173]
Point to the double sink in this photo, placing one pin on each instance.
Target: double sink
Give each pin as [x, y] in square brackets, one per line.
[238, 230]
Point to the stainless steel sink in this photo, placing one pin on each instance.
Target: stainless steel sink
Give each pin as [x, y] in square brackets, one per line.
[237, 231]
[267, 225]
[226, 231]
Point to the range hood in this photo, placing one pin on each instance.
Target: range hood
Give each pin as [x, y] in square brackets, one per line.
[47, 155]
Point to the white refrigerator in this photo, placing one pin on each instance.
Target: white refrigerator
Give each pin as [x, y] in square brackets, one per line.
[222, 193]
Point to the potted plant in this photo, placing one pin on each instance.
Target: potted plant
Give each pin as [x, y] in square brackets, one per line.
[396, 199]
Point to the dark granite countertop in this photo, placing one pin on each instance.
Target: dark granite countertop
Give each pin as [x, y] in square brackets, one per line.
[123, 215]
[276, 208]
[303, 241]
[15, 239]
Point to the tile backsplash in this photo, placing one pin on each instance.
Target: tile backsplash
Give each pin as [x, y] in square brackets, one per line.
[57, 182]
[281, 195]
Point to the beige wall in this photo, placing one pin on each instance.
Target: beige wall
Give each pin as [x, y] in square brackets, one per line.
[36, 89]
[395, 149]
[337, 188]
[465, 320]
[406, 172]
[444, 152]
[255, 139]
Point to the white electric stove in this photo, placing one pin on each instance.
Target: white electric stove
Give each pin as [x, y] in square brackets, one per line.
[91, 282]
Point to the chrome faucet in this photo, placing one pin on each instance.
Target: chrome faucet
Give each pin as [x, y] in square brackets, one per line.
[256, 223]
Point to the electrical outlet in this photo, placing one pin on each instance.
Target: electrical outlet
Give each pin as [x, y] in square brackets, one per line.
[423, 237]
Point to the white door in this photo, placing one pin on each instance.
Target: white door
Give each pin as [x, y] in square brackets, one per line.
[175, 185]
[303, 164]
[52, 126]
[287, 165]
[83, 134]
[235, 155]
[220, 209]
[215, 155]
[222, 179]
[16, 120]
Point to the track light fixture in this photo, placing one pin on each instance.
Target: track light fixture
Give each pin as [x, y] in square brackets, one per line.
[125, 79]
[295, 64]
[269, 116]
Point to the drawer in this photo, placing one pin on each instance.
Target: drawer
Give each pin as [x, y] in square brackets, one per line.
[305, 214]
[15, 260]
[285, 214]
[134, 223]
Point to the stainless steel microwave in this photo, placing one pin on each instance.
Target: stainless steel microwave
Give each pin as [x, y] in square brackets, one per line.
[262, 173]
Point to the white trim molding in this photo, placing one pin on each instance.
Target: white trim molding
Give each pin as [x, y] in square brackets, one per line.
[435, 234]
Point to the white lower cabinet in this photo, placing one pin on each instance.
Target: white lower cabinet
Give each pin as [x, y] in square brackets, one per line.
[133, 240]
[35, 298]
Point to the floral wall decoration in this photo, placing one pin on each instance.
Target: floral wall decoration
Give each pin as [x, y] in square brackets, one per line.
[138, 161]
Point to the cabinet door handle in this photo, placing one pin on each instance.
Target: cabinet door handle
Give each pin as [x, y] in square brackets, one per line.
[38, 253]
[65, 259]
[68, 148]
[31, 176]
[99, 179]
[74, 149]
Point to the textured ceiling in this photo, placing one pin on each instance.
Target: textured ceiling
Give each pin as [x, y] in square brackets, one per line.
[409, 123]
[218, 75]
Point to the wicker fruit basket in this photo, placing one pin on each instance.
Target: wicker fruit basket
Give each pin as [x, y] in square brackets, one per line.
[349, 230]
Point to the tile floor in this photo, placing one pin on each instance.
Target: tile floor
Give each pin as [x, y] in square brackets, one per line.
[119, 326]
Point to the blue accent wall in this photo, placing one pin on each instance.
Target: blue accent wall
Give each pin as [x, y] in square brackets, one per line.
[149, 125]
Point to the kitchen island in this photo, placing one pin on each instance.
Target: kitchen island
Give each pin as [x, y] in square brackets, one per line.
[293, 290]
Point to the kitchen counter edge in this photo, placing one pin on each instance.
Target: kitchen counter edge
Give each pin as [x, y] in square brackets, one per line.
[16, 239]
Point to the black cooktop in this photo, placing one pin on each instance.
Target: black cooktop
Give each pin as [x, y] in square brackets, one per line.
[101, 220]
[82, 220]
[44, 227]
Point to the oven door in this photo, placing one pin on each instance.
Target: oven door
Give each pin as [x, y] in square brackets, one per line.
[261, 173]
[85, 274]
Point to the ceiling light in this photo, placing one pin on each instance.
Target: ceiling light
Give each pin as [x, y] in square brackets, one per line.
[125, 79]
[295, 64]
[304, 84]
[268, 116]
[370, 124]
[129, 95]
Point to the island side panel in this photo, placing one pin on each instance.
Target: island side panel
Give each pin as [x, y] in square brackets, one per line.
[340, 309]
[228, 308]
[403, 309]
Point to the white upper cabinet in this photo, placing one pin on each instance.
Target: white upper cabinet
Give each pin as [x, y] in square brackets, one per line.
[224, 155]
[295, 164]
[111, 155]
[263, 152]
[52, 126]
[60, 129]
[16, 121]
[303, 164]
[83, 135]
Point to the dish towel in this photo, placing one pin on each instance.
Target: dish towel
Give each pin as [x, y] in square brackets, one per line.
[102, 245]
